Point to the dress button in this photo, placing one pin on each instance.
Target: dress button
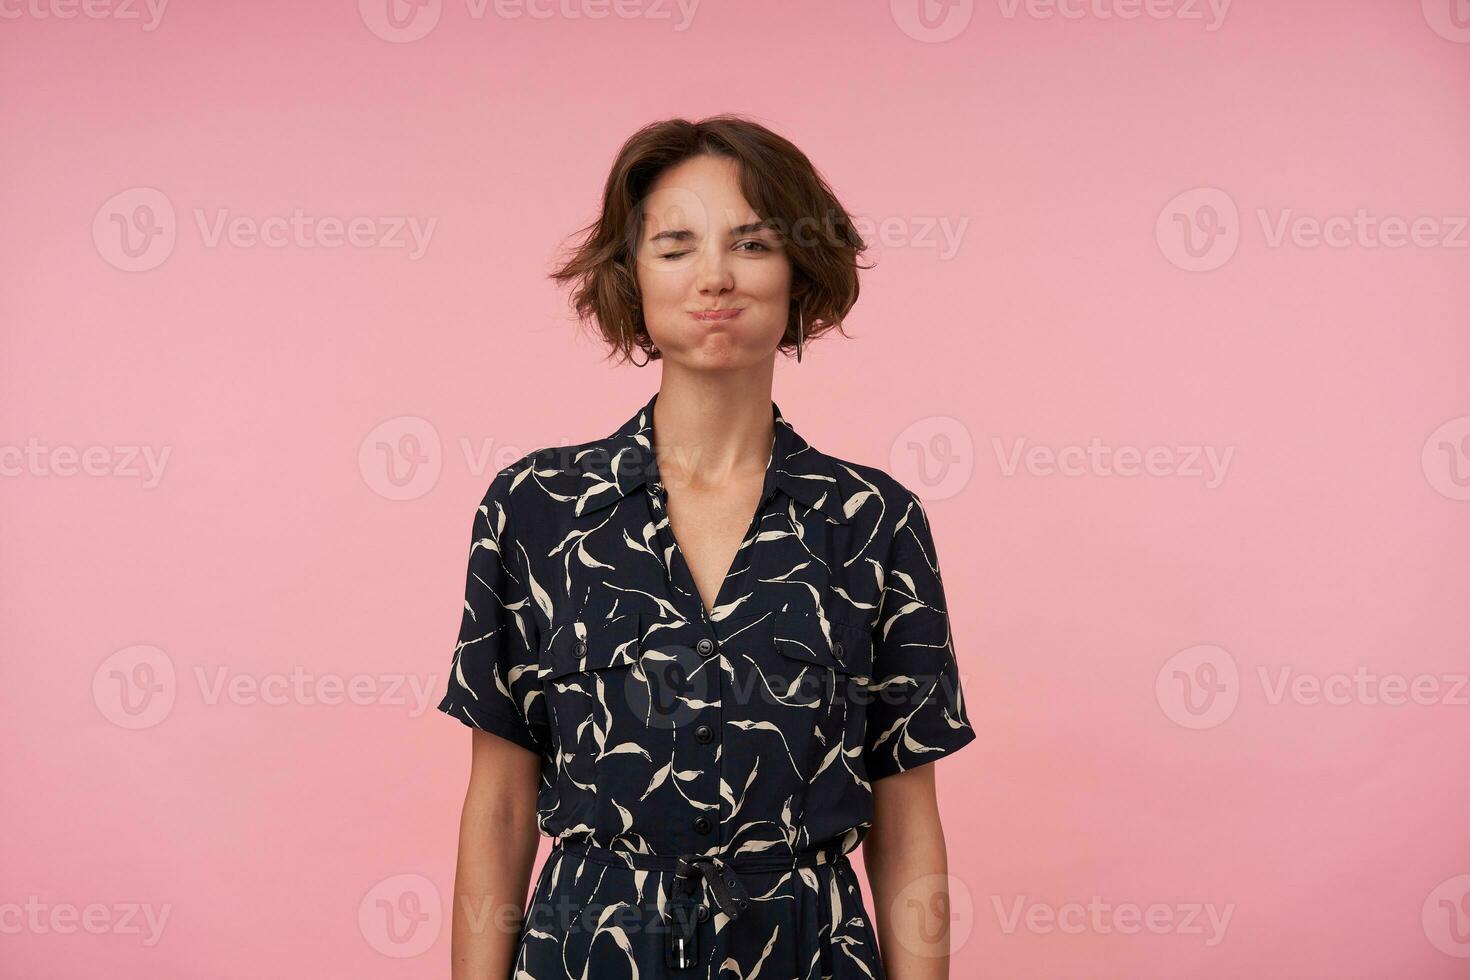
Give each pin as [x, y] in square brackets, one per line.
[580, 648]
[704, 733]
[705, 646]
[702, 913]
[702, 825]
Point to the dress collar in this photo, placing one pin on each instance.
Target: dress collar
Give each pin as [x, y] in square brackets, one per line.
[609, 469]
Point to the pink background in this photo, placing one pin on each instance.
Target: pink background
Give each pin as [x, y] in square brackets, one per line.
[286, 837]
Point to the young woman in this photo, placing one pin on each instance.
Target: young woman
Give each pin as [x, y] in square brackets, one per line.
[706, 658]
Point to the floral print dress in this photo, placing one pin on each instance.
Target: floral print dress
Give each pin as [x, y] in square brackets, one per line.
[704, 773]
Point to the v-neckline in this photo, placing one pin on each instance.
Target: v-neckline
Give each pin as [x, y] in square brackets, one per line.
[678, 565]
[681, 564]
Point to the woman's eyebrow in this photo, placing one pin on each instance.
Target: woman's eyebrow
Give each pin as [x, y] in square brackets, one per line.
[673, 234]
[684, 234]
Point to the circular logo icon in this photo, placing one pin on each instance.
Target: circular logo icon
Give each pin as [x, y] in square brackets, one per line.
[668, 210]
[671, 686]
[400, 21]
[1446, 917]
[400, 459]
[1199, 686]
[934, 456]
[1446, 458]
[1450, 19]
[1199, 230]
[400, 916]
[932, 21]
[135, 230]
[933, 904]
[135, 687]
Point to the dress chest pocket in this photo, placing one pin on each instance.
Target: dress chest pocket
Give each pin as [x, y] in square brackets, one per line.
[577, 647]
[846, 648]
[820, 682]
[604, 698]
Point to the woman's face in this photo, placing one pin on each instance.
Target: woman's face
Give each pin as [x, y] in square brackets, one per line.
[703, 250]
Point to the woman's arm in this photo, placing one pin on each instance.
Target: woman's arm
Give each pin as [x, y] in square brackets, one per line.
[497, 848]
[908, 869]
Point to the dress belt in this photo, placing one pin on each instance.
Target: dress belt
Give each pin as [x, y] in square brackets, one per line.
[722, 874]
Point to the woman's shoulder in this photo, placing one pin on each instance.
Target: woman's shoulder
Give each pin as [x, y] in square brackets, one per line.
[873, 495]
[574, 478]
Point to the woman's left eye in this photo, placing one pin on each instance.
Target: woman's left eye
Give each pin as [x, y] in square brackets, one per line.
[760, 245]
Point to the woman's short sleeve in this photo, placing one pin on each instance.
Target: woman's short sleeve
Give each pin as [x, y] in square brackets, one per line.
[916, 713]
[494, 684]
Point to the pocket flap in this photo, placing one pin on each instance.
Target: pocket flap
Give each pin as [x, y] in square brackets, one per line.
[843, 647]
[578, 646]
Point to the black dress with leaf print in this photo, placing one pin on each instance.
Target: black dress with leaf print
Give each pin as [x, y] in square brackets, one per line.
[704, 774]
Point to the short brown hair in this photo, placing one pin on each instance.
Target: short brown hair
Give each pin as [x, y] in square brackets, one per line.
[781, 185]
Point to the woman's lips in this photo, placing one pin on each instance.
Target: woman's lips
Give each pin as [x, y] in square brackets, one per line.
[715, 316]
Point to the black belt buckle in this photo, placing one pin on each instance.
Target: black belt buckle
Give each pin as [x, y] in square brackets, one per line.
[730, 898]
[682, 949]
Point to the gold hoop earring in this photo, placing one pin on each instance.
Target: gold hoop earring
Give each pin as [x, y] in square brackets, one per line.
[646, 358]
[799, 330]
